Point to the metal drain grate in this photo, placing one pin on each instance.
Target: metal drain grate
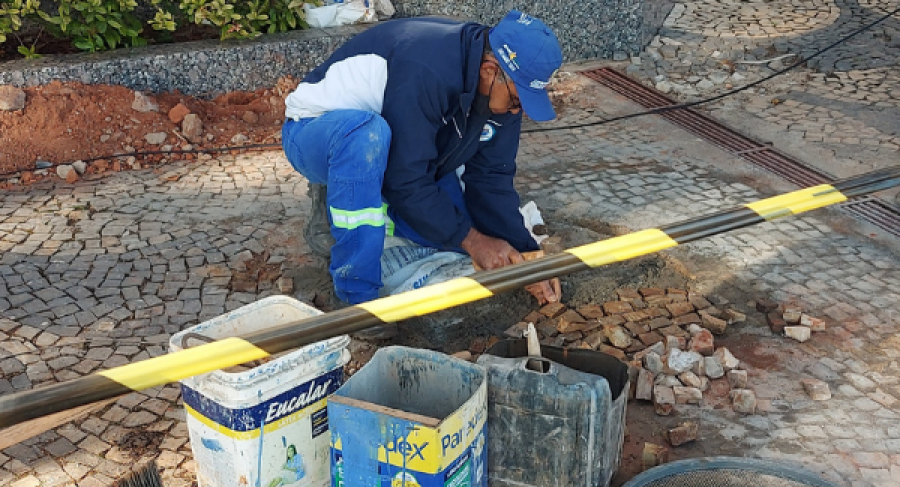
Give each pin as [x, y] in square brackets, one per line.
[873, 210]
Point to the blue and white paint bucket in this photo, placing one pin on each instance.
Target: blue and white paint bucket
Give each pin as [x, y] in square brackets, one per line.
[266, 426]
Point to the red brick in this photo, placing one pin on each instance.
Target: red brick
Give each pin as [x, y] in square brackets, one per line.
[617, 335]
[590, 311]
[663, 400]
[617, 307]
[178, 112]
[656, 312]
[611, 320]
[650, 338]
[702, 343]
[628, 295]
[658, 300]
[687, 319]
[571, 321]
[635, 347]
[776, 322]
[659, 323]
[765, 305]
[713, 324]
[553, 310]
[675, 331]
[684, 433]
[533, 317]
[596, 339]
[651, 291]
[547, 329]
[679, 309]
[636, 329]
[699, 302]
[636, 316]
[814, 324]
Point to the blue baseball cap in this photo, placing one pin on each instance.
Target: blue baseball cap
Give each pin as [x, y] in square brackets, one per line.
[529, 53]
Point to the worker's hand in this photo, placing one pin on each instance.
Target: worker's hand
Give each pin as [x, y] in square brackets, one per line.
[545, 291]
[548, 291]
[489, 252]
[492, 253]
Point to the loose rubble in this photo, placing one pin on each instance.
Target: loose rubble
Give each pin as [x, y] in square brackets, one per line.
[789, 320]
[667, 337]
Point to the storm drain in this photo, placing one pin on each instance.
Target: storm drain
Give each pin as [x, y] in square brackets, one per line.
[871, 209]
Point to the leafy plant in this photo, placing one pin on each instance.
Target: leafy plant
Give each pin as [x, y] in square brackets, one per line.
[163, 21]
[29, 52]
[285, 15]
[97, 25]
[11, 14]
[247, 19]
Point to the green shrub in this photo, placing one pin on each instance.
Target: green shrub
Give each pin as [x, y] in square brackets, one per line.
[242, 20]
[12, 12]
[98, 25]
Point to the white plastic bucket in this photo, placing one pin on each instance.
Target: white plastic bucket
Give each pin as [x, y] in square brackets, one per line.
[266, 426]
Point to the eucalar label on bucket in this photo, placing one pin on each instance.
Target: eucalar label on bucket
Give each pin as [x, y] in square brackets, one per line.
[281, 441]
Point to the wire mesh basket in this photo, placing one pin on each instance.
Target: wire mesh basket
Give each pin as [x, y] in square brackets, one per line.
[727, 472]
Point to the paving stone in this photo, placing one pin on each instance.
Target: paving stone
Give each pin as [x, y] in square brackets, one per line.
[29, 481]
[860, 382]
[816, 389]
[93, 445]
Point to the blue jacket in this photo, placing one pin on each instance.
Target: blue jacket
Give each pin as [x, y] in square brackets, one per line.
[421, 75]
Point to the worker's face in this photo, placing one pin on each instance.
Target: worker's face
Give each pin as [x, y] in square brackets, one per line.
[501, 91]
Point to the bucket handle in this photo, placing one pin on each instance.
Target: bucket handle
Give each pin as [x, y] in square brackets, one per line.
[534, 350]
[195, 336]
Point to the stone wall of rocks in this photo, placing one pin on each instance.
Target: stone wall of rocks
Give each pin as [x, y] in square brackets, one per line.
[203, 68]
[587, 30]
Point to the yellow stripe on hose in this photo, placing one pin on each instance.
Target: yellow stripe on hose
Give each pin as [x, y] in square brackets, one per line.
[623, 248]
[427, 299]
[185, 363]
[797, 201]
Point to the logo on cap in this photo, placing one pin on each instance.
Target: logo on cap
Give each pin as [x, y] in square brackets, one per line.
[538, 84]
[525, 19]
[509, 57]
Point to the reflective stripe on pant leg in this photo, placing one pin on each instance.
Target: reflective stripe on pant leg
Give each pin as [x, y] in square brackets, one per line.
[350, 219]
[357, 162]
[388, 222]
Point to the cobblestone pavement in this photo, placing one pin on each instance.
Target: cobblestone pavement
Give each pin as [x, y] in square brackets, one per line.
[844, 100]
[101, 273]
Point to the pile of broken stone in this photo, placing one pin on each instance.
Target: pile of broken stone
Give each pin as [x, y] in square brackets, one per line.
[665, 335]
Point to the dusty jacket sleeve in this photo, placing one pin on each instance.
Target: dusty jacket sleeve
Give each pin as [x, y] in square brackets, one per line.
[491, 198]
[413, 108]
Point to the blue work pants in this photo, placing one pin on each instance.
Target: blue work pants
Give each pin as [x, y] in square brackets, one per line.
[347, 150]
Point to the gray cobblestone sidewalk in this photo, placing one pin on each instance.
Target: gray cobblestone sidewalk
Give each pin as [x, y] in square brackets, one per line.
[101, 273]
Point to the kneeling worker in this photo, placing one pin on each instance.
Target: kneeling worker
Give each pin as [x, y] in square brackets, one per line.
[411, 129]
